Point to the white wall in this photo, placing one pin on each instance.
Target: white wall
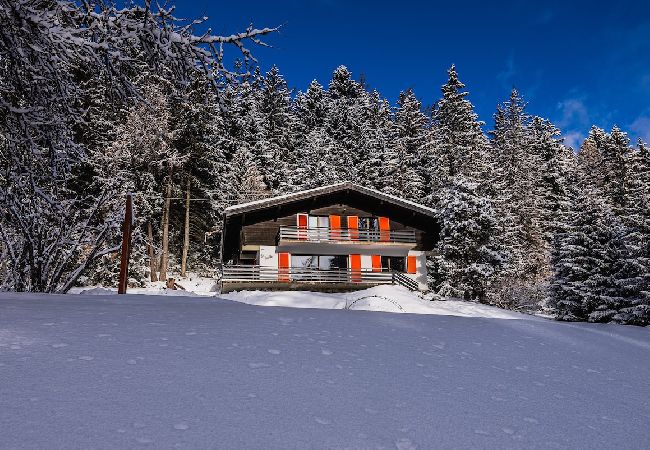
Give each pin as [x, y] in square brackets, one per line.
[366, 262]
[420, 274]
[268, 256]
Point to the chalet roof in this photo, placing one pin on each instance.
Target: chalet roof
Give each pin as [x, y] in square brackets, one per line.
[346, 185]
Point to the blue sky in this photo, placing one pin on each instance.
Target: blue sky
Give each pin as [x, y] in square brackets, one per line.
[577, 63]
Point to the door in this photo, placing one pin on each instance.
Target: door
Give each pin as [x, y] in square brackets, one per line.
[355, 268]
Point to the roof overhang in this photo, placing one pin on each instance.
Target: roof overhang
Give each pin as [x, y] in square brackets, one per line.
[345, 186]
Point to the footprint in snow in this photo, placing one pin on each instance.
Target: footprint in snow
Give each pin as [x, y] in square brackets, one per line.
[508, 431]
[326, 352]
[131, 361]
[530, 420]
[86, 358]
[144, 441]
[257, 365]
[181, 426]
[322, 421]
[59, 345]
[273, 351]
[405, 444]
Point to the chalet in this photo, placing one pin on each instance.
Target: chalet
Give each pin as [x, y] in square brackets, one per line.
[333, 238]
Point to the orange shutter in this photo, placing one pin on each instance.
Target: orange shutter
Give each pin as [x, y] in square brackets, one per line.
[353, 227]
[302, 225]
[411, 263]
[335, 227]
[384, 229]
[355, 268]
[376, 263]
[283, 267]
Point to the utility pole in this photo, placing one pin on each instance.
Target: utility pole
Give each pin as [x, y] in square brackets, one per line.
[126, 245]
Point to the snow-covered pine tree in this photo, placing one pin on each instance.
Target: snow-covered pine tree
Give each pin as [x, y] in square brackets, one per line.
[245, 179]
[409, 143]
[458, 145]
[275, 146]
[346, 111]
[377, 137]
[580, 255]
[554, 176]
[311, 107]
[469, 259]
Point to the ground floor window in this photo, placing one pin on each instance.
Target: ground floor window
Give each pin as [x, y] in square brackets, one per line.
[395, 263]
[322, 262]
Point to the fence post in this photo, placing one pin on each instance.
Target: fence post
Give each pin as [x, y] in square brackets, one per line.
[126, 245]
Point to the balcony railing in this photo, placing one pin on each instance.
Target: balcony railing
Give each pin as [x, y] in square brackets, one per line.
[240, 273]
[346, 235]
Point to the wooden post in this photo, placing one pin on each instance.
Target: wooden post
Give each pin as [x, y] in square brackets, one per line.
[126, 245]
[186, 240]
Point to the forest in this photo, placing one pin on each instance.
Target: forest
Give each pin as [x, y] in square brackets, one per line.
[97, 102]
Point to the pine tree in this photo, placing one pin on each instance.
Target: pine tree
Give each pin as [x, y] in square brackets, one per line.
[469, 259]
[276, 121]
[458, 144]
[580, 258]
[409, 144]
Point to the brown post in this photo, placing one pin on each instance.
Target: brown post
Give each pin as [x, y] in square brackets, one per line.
[126, 245]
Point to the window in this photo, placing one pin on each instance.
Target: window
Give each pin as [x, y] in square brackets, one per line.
[323, 222]
[395, 263]
[313, 221]
[304, 261]
[322, 262]
[368, 223]
[332, 262]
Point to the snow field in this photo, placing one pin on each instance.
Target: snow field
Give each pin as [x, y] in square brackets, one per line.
[96, 371]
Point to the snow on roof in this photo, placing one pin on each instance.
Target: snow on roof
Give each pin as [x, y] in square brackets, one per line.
[346, 185]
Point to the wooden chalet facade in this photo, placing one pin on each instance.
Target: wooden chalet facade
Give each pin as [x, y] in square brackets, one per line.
[334, 238]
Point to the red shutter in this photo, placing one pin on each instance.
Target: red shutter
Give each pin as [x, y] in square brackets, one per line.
[384, 229]
[283, 267]
[411, 264]
[355, 268]
[353, 227]
[376, 263]
[335, 227]
[302, 226]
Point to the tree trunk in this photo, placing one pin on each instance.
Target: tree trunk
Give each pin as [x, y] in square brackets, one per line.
[186, 240]
[153, 267]
[164, 257]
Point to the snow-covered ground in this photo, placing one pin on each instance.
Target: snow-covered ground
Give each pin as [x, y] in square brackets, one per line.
[387, 298]
[107, 371]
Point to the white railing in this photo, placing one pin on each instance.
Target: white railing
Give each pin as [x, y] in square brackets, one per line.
[240, 273]
[345, 234]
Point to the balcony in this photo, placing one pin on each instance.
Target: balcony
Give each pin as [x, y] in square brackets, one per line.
[346, 235]
[235, 277]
